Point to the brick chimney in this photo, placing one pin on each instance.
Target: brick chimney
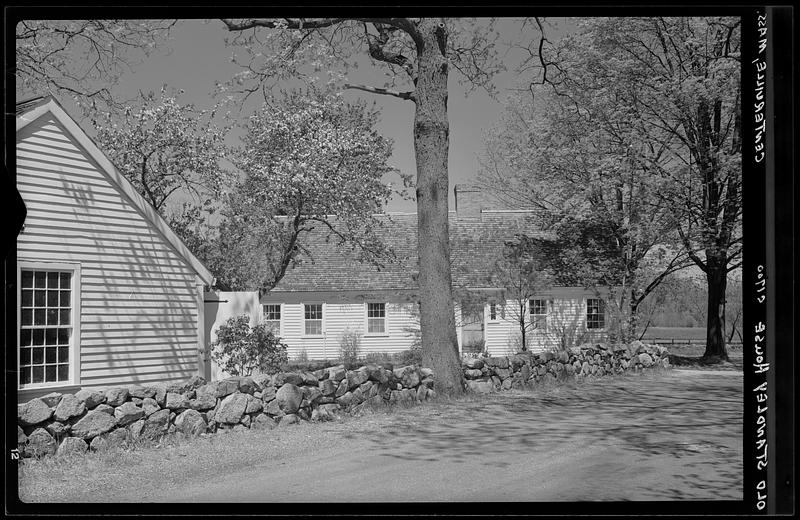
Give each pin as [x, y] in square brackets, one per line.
[469, 201]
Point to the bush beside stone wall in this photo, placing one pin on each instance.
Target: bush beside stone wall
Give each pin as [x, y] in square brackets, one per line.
[93, 419]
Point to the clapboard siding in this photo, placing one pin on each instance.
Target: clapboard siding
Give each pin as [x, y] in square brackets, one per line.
[138, 295]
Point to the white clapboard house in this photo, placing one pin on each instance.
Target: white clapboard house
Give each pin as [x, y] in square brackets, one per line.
[316, 301]
[107, 293]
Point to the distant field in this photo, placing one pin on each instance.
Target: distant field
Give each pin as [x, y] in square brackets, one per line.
[676, 332]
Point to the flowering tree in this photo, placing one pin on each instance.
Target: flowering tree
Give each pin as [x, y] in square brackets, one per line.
[309, 160]
[164, 148]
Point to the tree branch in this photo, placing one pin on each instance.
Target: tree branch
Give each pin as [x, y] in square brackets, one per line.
[385, 91]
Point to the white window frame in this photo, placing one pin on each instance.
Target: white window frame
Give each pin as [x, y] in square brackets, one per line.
[385, 319]
[532, 316]
[303, 310]
[586, 315]
[280, 319]
[75, 305]
[499, 312]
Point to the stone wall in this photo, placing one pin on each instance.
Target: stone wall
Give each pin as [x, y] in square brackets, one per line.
[93, 419]
[585, 361]
[96, 419]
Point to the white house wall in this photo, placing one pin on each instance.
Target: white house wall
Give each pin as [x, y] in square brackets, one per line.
[138, 298]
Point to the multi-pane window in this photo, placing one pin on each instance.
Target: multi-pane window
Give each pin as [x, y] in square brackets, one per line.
[376, 318]
[538, 310]
[45, 326]
[271, 316]
[492, 312]
[595, 313]
[313, 319]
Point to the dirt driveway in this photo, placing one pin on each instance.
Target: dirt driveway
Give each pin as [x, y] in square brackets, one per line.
[676, 436]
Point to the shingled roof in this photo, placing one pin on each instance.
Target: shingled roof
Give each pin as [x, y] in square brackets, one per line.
[474, 242]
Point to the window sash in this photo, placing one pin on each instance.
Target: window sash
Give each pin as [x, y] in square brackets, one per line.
[376, 318]
[313, 319]
[595, 313]
[46, 331]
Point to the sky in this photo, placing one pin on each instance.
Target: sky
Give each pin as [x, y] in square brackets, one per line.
[197, 56]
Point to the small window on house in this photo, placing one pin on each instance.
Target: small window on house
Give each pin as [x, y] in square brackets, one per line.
[271, 316]
[376, 318]
[595, 313]
[492, 312]
[45, 326]
[538, 310]
[313, 319]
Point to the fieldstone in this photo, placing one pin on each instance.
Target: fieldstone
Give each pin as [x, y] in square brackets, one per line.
[21, 437]
[473, 373]
[496, 381]
[375, 373]
[116, 396]
[195, 382]
[93, 424]
[312, 394]
[262, 422]
[40, 443]
[91, 398]
[273, 408]
[69, 407]
[246, 420]
[506, 384]
[231, 409]
[304, 414]
[309, 379]
[157, 424]
[500, 362]
[141, 392]
[247, 385]
[253, 405]
[262, 381]
[474, 363]
[128, 413]
[408, 376]
[286, 420]
[150, 406]
[328, 387]
[104, 408]
[645, 360]
[135, 429]
[268, 394]
[502, 373]
[289, 397]
[33, 412]
[71, 446]
[113, 439]
[292, 378]
[52, 399]
[481, 387]
[342, 388]
[226, 387]
[203, 402]
[176, 401]
[336, 373]
[239, 428]
[191, 422]
[422, 393]
[585, 367]
[356, 378]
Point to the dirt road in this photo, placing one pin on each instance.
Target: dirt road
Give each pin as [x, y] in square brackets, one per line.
[676, 436]
[680, 439]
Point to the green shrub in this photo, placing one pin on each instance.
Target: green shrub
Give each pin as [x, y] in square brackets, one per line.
[241, 349]
[349, 346]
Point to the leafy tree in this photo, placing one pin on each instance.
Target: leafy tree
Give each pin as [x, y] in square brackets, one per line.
[418, 53]
[679, 79]
[650, 108]
[165, 148]
[82, 59]
[309, 160]
[240, 349]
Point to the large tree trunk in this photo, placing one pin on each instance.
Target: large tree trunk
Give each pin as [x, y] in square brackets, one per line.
[717, 278]
[431, 129]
